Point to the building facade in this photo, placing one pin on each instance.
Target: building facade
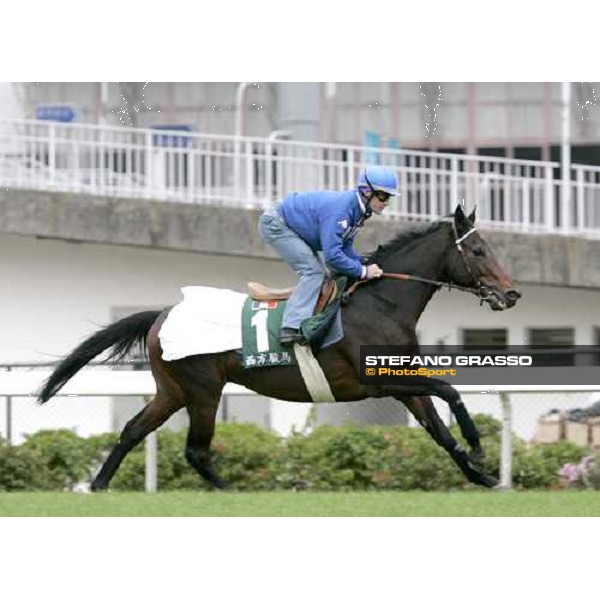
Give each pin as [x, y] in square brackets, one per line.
[511, 119]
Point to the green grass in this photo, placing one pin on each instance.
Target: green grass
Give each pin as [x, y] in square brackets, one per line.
[303, 504]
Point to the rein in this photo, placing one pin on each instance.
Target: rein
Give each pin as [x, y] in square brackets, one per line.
[406, 277]
[478, 291]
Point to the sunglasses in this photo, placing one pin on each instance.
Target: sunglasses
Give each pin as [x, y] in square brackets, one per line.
[381, 196]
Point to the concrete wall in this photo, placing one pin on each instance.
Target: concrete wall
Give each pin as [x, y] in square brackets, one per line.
[539, 259]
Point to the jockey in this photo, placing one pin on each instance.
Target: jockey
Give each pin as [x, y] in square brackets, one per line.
[307, 222]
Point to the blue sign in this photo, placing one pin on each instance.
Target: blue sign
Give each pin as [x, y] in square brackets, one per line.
[394, 144]
[372, 140]
[61, 113]
[164, 140]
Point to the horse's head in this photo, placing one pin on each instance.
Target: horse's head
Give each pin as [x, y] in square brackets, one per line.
[471, 263]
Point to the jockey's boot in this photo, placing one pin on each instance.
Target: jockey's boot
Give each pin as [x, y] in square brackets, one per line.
[289, 335]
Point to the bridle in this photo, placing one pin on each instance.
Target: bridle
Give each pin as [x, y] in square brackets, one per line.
[479, 289]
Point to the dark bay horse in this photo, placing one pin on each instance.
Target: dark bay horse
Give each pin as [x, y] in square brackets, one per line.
[383, 311]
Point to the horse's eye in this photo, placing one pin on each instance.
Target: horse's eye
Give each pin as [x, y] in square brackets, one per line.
[477, 250]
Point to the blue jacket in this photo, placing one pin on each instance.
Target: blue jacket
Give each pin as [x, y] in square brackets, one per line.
[327, 221]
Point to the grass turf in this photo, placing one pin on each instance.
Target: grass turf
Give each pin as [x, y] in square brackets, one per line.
[473, 503]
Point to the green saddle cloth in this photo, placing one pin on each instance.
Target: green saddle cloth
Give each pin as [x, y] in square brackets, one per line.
[261, 324]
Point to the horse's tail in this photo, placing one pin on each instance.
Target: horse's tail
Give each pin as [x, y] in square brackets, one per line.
[120, 336]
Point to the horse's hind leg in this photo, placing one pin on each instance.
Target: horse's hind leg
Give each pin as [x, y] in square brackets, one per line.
[203, 412]
[152, 416]
[424, 411]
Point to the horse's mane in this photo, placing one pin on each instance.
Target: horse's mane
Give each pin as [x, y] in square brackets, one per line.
[405, 238]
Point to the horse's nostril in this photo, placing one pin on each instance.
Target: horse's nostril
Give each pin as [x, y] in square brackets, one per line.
[513, 295]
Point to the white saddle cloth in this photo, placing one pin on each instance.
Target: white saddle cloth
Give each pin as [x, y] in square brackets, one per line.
[207, 320]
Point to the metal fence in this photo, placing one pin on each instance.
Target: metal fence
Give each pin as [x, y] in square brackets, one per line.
[518, 407]
[176, 166]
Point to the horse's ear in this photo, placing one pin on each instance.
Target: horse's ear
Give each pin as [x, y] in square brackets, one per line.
[472, 216]
[459, 213]
[460, 219]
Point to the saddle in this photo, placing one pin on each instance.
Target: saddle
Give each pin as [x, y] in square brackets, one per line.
[261, 292]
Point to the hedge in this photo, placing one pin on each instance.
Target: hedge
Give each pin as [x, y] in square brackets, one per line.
[249, 458]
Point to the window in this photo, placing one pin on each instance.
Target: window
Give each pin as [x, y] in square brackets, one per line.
[585, 154]
[549, 342]
[490, 151]
[452, 150]
[485, 338]
[595, 358]
[528, 152]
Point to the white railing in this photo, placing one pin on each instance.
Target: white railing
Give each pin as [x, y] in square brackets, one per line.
[517, 195]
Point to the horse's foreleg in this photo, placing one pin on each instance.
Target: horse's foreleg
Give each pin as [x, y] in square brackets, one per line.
[468, 429]
[152, 416]
[424, 411]
[429, 386]
[203, 412]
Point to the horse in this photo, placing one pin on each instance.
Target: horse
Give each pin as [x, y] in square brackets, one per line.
[381, 311]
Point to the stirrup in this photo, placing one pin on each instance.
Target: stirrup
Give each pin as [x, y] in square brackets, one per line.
[287, 335]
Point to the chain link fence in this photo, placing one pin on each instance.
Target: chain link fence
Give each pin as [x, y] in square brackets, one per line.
[89, 415]
[534, 416]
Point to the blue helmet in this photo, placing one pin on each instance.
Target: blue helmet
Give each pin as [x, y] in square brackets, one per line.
[379, 178]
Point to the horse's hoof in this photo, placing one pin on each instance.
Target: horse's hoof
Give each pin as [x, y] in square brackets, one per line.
[489, 481]
[219, 485]
[299, 485]
[98, 488]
